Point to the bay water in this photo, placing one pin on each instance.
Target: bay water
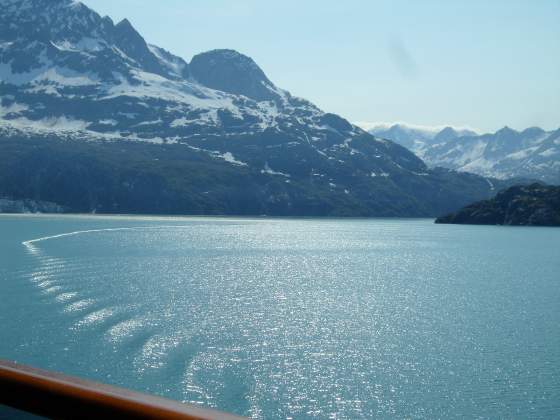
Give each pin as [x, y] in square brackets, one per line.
[291, 318]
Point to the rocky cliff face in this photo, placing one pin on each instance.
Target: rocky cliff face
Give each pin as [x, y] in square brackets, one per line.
[232, 72]
[532, 205]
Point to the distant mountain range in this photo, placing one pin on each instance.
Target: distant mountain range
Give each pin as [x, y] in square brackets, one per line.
[413, 136]
[94, 119]
[530, 154]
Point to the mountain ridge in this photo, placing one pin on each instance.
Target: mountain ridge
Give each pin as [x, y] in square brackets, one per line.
[69, 75]
[532, 153]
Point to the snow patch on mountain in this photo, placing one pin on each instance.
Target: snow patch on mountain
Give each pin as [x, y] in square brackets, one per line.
[268, 170]
[228, 157]
[12, 110]
[86, 44]
[175, 64]
[46, 125]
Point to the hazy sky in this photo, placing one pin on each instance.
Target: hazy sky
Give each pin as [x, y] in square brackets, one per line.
[477, 63]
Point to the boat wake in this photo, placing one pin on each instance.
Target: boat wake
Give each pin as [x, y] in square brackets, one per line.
[30, 243]
[147, 320]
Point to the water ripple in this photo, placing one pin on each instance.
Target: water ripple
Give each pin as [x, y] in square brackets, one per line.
[314, 319]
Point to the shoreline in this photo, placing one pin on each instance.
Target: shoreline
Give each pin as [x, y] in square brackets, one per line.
[204, 217]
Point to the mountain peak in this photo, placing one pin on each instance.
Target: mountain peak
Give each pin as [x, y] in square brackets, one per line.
[448, 133]
[506, 134]
[46, 6]
[506, 130]
[125, 29]
[132, 44]
[30, 3]
[46, 21]
[533, 131]
[232, 72]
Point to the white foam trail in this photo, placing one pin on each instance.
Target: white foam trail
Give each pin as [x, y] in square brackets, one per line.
[124, 329]
[155, 351]
[95, 317]
[65, 297]
[79, 305]
[46, 284]
[52, 290]
[30, 243]
[34, 250]
[38, 277]
[53, 266]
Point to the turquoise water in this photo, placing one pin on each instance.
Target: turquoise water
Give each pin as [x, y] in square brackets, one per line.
[298, 319]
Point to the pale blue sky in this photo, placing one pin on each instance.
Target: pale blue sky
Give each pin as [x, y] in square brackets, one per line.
[477, 63]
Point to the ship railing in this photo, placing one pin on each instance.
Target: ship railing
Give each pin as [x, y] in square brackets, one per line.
[54, 395]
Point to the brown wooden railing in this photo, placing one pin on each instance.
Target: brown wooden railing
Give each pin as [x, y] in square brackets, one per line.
[63, 397]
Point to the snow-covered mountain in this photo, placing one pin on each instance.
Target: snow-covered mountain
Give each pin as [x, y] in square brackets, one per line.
[415, 137]
[65, 67]
[86, 105]
[532, 153]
